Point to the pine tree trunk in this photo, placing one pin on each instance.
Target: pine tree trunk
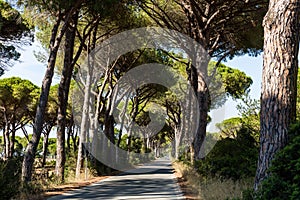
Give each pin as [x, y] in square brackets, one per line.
[279, 83]
[63, 94]
[4, 143]
[39, 117]
[6, 136]
[69, 133]
[45, 147]
[75, 139]
[177, 141]
[7, 142]
[12, 139]
[203, 97]
[84, 124]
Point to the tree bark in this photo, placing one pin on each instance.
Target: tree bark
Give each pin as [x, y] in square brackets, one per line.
[39, 117]
[55, 41]
[12, 139]
[177, 141]
[279, 81]
[6, 142]
[203, 100]
[74, 138]
[197, 79]
[5, 135]
[84, 121]
[84, 125]
[70, 133]
[63, 93]
[45, 146]
[122, 121]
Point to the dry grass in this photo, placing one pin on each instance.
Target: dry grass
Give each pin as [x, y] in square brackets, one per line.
[196, 187]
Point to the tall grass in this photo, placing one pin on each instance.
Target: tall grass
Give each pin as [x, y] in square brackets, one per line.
[212, 188]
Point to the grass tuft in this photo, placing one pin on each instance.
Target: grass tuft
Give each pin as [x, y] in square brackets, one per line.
[210, 188]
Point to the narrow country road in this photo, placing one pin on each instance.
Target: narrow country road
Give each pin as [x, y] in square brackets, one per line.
[138, 183]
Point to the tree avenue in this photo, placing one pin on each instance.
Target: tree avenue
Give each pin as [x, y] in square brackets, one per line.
[201, 20]
[223, 28]
[69, 31]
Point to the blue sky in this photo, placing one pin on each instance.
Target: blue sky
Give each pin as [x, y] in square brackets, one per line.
[252, 66]
[29, 68]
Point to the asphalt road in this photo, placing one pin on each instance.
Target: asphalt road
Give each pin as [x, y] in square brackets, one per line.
[151, 181]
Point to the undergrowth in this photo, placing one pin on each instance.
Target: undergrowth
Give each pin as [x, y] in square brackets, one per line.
[213, 188]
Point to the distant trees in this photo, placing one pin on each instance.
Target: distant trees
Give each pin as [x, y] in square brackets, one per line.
[279, 84]
[18, 100]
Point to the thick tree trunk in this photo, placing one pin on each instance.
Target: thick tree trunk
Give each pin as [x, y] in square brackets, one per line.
[203, 97]
[198, 76]
[203, 100]
[63, 94]
[279, 88]
[39, 117]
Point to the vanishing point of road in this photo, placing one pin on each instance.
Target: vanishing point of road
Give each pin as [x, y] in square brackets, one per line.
[141, 183]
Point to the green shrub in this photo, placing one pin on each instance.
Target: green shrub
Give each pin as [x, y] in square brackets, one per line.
[232, 158]
[284, 179]
[10, 178]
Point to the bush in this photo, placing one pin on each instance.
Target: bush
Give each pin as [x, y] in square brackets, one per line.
[232, 158]
[10, 178]
[284, 179]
